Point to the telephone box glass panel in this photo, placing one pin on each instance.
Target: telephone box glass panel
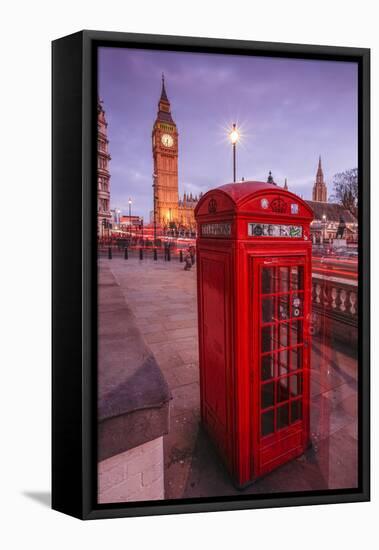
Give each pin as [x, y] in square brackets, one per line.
[282, 332]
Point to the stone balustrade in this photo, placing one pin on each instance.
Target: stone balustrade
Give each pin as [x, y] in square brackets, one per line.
[336, 299]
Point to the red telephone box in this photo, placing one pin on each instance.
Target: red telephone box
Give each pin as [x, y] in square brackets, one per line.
[254, 304]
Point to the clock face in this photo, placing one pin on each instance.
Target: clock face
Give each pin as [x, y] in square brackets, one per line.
[167, 140]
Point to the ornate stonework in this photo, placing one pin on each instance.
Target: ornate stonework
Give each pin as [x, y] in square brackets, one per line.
[104, 215]
[320, 192]
[165, 156]
[170, 209]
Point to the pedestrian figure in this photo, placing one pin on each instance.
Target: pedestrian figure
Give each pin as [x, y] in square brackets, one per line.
[167, 251]
[192, 254]
[187, 261]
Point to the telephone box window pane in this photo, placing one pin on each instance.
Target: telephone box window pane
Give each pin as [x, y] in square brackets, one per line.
[267, 343]
[268, 309]
[283, 309]
[282, 390]
[282, 419]
[296, 333]
[268, 280]
[296, 410]
[296, 358]
[283, 362]
[268, 367]
[297, 278]
[296, 385]
[297, 305]
[267, 423]
[284, 279]
[267, 395]
[284, 335]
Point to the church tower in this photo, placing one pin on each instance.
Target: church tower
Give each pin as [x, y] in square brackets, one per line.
[320, 192]
[165, 156]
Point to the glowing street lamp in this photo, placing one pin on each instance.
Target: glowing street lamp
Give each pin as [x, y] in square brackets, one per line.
[234, 137]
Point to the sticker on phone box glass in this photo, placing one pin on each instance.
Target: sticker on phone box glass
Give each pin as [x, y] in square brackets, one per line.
[274, 230]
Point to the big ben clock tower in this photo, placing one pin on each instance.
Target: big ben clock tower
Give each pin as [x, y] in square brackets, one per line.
[165, 155]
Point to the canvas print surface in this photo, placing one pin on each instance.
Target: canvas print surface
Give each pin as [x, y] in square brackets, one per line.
[227, 233]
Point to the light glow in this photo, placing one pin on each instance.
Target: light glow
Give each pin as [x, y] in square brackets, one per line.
[234, 135]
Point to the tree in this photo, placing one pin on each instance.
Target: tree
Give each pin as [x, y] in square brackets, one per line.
[345, 190]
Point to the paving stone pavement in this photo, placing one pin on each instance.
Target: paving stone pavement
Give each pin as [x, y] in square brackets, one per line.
[162, 297]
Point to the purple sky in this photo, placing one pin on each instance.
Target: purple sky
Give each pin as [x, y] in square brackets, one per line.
[289, 111]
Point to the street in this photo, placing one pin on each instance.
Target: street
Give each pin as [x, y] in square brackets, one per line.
[162, 297]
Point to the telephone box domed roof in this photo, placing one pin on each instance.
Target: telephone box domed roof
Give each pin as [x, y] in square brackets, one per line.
[248, 196]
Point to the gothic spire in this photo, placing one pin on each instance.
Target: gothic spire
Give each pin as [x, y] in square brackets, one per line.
[320, 174]
[163, 92]
[164, 109]
[285, 184]
[319, 192]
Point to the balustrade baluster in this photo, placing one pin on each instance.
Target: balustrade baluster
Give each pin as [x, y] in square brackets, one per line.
[353, 301]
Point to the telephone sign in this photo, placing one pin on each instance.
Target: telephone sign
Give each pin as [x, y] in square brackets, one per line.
[254, 307]
[274, 230]
[216, 229]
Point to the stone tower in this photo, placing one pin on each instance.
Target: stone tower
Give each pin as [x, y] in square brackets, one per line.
[104, 215]
[165, 156]
[320, 192]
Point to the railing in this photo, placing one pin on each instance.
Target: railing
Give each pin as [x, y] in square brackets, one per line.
[336, 297]
[335, 300]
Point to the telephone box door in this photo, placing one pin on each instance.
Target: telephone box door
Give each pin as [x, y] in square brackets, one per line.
[281, 366]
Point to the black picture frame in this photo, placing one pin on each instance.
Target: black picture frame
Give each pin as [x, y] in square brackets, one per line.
[74, 294]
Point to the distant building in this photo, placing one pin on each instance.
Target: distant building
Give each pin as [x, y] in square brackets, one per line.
[186, 210]
[170, 209]
[116, 216]
[104, 215]
[126, 221]
[320, 191]
[328, 215]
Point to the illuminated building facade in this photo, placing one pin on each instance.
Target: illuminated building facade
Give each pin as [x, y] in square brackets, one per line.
[170, 210]
[319, 192]
[328, 215]
[104, 214]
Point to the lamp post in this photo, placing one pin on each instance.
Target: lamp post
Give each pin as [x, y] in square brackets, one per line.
[324, 227]
[130, 217]
[234, 137]
[155, 207]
